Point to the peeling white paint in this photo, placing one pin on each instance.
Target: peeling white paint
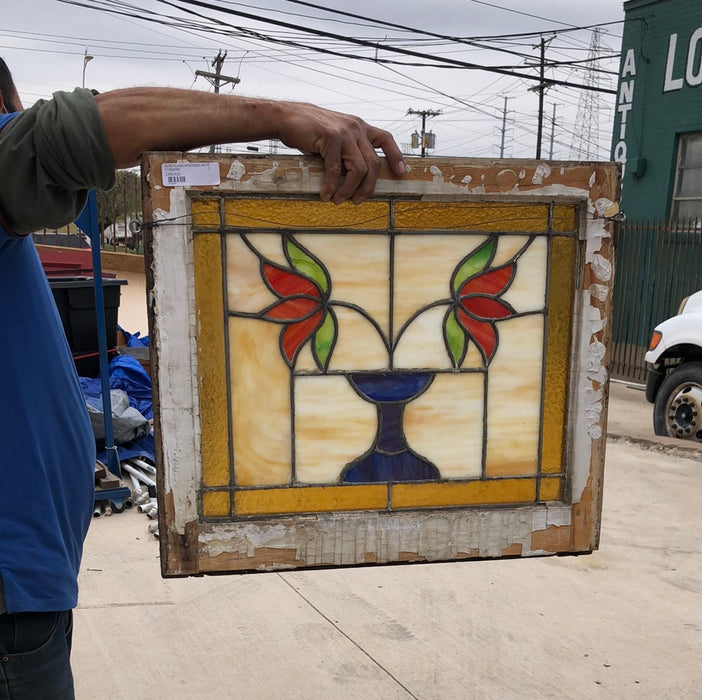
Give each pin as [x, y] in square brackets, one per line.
[173, 307]
[605, 207]
[271, 171]
[343, 539]
[593, 178]
[236, 171]
[466, 180]
[550, 516]
[542, 171]
[599, 291]
[438, 175]
[601, 268]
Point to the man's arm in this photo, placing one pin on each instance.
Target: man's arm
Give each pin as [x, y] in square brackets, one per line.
[150, 119]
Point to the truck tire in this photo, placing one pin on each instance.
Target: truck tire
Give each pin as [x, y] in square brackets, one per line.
[677, 411]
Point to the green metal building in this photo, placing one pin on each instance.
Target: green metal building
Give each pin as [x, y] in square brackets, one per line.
[658, 119]
[658, 139]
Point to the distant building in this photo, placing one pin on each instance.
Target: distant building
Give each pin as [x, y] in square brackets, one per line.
[658, 120]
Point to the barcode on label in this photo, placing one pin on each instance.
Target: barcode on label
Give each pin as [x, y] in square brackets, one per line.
[175, 179]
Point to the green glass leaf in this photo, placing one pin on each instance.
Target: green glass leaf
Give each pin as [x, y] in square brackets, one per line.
[474, 262]
[324, 341]
[455, 338]
[304, 262]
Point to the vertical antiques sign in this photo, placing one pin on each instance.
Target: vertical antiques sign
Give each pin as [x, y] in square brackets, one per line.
[421, 377]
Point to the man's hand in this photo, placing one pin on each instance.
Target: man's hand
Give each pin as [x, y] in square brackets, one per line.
[346, 143]
[163, 119]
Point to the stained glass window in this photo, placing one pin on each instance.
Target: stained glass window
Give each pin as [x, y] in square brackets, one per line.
[401, 354]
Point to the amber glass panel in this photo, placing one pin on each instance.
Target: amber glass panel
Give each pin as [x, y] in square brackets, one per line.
[564, 219]
[209, 310]
[551, 489]
[463, 494]
[311, 500]
[558, 341]
[215, 504]
[205, 213]
[298, 213]
[476, 216]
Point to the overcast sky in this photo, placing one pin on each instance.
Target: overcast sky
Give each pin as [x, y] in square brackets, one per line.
[45, 41]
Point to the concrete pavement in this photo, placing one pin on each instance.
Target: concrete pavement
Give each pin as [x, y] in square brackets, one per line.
[623, 622]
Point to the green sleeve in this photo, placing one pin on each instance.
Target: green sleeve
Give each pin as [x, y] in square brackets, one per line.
[50, 156]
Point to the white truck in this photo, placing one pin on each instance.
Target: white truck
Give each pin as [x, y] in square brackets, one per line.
[674, 379]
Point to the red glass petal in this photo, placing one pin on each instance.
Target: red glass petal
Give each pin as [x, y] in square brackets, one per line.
[295, 335]
[486, 307]
[483, 333]
[292, 309]
[286, 283]
[493, 282]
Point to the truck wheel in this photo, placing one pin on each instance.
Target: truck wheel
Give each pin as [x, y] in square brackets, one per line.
[677, 411]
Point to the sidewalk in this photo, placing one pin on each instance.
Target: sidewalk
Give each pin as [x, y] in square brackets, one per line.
[623, 622]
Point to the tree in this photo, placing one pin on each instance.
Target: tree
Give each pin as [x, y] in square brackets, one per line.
[123, 202]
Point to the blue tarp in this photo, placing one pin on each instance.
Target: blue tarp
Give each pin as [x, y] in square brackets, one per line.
[143, 448]
[127, 374]
[134, 340]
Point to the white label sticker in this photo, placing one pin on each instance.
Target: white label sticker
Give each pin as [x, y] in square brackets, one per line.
[189, 174]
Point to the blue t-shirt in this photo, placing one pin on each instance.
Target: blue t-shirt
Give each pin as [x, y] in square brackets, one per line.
[47, 447]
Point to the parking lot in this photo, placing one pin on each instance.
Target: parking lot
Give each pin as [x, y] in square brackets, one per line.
[624, 622]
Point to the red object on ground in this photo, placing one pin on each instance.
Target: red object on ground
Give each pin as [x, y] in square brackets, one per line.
[67, 262]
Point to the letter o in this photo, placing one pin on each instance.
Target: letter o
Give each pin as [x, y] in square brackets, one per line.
[694, 78]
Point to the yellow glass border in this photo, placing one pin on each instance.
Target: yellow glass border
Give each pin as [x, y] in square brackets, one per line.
[471, 493]
[564, 218]
[211, 359]
[292, 213]
[311, 499]
[551, 488]
[216, 504]
[557, 350]
[503, 217]
[205, 212]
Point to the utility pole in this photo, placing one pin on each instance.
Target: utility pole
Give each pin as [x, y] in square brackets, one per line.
[504, 128]
[216, 79]
[426, 140]
[541, 87]
[542, 69]
[553, 130]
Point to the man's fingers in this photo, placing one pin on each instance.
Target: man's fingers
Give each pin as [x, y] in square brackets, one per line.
[351, 164]
[383, 139]
[332, 169]
[355, 173]
[372, 162]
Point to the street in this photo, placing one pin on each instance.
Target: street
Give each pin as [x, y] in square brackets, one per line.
[624, 622]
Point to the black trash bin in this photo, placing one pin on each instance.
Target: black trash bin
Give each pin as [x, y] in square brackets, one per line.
[75, 300]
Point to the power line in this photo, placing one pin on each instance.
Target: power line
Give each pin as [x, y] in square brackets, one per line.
[437, 61]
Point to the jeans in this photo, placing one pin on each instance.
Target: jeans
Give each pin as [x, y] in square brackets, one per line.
[35, 651]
